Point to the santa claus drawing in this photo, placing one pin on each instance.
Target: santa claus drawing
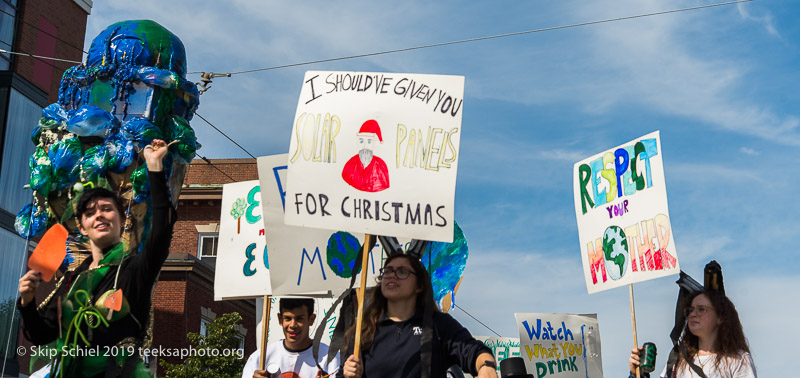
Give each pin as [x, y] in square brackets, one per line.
[364, 171]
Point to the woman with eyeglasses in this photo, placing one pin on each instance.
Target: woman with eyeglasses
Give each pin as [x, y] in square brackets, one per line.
[395, 334]
[715, 341]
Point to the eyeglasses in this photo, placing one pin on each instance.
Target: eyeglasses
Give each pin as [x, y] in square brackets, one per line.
[399, 273]
[699, 310]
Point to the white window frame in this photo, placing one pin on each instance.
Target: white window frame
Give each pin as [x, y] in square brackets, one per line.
[201, 241]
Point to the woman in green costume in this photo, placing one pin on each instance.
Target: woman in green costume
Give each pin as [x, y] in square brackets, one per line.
[91, 340]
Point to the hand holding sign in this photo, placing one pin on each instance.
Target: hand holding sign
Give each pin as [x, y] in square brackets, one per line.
[50, 252]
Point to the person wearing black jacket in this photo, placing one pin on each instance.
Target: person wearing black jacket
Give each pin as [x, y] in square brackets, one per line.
[394, 328]
[74, 316]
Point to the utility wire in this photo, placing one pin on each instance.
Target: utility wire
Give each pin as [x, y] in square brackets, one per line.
[484, 38]
[215, 167]
[35, 27]
[225, 135]
[476, 319]
[39, 56]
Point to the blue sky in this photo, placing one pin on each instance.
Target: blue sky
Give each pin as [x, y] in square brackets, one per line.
[720, 83]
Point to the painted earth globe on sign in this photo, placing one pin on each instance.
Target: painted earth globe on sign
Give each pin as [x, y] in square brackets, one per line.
[615, 252]
[341, 254]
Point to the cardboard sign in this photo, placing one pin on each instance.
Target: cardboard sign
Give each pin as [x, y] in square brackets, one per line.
[502, 347]
[376, 153]
[623, 219]
[50, 252]
[560, 345]
[242, 267]
[305, 260]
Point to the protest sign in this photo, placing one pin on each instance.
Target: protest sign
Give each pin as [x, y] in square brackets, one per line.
[376, 153]
[623, 219]
[560, 345]
[242, 266]
[502, 347]
[305, 260]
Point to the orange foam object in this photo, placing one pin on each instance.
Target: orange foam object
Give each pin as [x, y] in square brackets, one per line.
[50, 252]
[114, 301]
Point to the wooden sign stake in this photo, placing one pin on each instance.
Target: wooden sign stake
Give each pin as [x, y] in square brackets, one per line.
[361, 291]
[262, 363]
[633, 320]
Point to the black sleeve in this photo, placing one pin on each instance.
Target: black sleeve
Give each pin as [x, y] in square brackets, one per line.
[156, 249]
[40, 327]
[458, 343]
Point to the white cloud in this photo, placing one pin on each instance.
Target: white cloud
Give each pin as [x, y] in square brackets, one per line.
[749, 151]
[766, 19]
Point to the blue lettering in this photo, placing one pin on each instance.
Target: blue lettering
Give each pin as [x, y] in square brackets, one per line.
[250, 258]
[597, 169]
[280, 186]
[533, 332]
[310, 261]
[620, 167]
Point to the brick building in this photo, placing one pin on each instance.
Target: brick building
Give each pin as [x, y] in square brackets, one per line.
[51, 28]
[184, 298]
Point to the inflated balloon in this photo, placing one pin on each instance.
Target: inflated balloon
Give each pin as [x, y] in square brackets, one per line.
[187, 145]
[42, 178]
[29, 222]
[141, 131]
[55, 114]
[120, 152]
[93, 163]
[90, 120]
[65, 156]
[141, 184]
[36, 133]
[39, 156]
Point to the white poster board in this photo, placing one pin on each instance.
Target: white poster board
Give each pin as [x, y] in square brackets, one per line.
[376, 153]
[242, 267]
[305, 260]
[560, 345]
[502, 347]
[623, 217]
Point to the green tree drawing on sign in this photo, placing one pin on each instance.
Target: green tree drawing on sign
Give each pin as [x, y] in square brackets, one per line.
[237, 211]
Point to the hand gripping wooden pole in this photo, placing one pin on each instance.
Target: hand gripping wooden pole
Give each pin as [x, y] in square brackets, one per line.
[262, 363]
[361, 290]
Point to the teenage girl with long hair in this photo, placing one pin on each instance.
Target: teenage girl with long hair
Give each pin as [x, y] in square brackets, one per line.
[394, 330]
[715, 341]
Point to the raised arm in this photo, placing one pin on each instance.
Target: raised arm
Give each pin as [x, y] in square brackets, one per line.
[156, 248]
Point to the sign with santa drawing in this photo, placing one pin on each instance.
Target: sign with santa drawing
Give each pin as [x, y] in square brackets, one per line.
[376, 153]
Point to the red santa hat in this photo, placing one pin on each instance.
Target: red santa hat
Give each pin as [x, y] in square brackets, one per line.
[371, 127]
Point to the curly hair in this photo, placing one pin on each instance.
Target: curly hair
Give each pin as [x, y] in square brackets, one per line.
[730, 340]
[377, 303]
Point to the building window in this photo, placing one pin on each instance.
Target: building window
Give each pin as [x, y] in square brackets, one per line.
[207, 246]
[207, 242]
[12, 261]
[206, 317]
[23, 115]
[242, 336]
[7, 26]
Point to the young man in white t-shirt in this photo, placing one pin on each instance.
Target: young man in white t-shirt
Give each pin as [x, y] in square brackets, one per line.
[292, 356]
